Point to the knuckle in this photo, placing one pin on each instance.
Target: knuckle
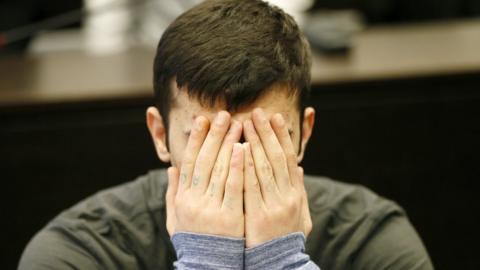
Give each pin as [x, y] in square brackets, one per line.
[266, 168]
[292, 204]
[253, 139]
[196, 136]
[255, 185]
[217, 171]
[229, 206]
[215, 131]
[201, 159]
[232, 135]
[232, 187]
[211, 189]
[278, 157]
[235, 163]
[250, 162]
[263, 122]
[270, 186]
[188, 162]
[291, 158]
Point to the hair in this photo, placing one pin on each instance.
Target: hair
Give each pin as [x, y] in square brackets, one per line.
[231, 51]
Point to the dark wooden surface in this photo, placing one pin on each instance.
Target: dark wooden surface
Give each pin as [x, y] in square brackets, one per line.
[75, 124]
[415, 142]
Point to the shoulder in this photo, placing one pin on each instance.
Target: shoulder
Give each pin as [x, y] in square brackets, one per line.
[360, 229]
[130, 202]
[143, 194]
[347, 201]
[116, 226]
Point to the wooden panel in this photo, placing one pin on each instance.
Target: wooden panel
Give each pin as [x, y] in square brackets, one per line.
[404, 51]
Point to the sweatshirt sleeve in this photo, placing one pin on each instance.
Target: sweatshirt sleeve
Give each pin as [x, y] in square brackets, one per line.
[201, 251]
[286, 252]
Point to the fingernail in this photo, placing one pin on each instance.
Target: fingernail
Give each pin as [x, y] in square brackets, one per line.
[259, 113]
[235, 125]
[199, 123]
[237, 147]
[221, 118]
[258, 110]
[246, 125]
[279, 120]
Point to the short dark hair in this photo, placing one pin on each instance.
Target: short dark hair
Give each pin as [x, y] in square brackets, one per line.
[232, 51]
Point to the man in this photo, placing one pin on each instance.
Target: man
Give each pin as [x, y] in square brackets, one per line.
[231, 79]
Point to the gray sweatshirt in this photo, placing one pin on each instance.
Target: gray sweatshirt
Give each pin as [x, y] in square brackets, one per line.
[124, 228]
[200, 251]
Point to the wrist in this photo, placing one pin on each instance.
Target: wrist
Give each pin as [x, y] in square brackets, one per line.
[204, 249]
[272, 254]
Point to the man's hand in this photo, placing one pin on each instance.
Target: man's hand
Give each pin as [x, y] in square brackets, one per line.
[206, 196]
[275, 199]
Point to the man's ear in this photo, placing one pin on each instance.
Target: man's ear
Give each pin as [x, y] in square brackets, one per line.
[158, 133]
[307, 128]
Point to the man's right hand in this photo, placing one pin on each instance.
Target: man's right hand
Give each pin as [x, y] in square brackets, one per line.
[206, 195]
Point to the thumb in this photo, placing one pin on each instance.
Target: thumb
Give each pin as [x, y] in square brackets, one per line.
[300, 175]
[307, 219]
[173, 175]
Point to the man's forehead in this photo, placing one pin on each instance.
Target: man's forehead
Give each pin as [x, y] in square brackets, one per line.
[246, 114]
[272, 102]
[275, 94]
[190, 109]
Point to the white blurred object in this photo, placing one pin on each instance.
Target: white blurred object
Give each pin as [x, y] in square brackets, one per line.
[113, 26]
[156, 15]
[107, 27]
[56, 41]
[126, 23]
[296, 8]
[332, 31]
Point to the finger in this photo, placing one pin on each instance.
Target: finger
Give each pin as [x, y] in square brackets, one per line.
[195, 141]
[208, 153]
[216, 187]
[307, 219]
[233, 199]
[281, 131]
[253, 194]
[272, 148]
[301, 175]
[263, 169]
[172, 188]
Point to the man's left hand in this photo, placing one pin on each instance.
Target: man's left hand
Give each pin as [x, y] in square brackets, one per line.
[275, 200]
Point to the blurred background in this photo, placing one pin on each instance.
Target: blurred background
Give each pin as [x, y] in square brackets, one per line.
[395, 83]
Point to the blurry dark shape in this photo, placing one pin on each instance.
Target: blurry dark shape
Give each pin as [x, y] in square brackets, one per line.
[21, 34]
[14, 14]
[27, 31]
[392, 11]
[332, 31]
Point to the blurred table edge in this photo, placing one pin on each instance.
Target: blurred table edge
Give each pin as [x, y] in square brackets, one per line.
[404, 51]
[378, 53]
